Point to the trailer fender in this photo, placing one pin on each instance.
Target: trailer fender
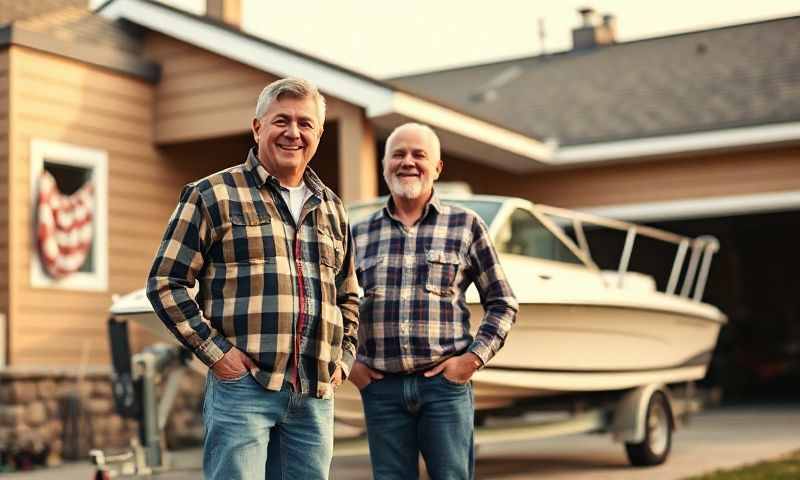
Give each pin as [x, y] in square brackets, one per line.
[628, 424]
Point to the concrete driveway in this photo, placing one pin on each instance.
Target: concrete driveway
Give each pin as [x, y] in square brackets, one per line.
[719, 438]
[715, 439]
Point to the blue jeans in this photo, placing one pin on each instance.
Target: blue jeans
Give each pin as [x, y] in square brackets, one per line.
[409, 414]
[253, 433]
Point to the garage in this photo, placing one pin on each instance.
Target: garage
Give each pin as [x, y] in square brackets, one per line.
[753, 279]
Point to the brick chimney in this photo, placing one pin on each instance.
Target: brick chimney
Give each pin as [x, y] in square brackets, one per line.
[226, 11]
[594, 33]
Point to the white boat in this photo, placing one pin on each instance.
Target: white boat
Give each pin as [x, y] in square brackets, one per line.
[579, 329]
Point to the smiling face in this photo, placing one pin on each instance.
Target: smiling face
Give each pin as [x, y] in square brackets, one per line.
[411, 163]
[287, 136]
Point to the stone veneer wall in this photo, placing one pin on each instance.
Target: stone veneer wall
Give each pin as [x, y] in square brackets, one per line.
[51, 415]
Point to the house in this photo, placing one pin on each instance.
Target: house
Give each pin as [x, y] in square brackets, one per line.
[699, 132]
[696, 132]
[142, 97]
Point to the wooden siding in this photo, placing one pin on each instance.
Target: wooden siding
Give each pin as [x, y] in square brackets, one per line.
[201, 95]
[741, 173]
[63, 100]
[4, 209]
[483, 179]
[735, 173]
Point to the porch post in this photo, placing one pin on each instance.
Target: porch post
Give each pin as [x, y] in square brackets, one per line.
[358, 175]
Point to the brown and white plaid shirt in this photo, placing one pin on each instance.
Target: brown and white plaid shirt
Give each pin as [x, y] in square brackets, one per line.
[284, 294]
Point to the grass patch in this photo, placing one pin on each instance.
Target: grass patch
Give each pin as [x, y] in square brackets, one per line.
[784, 468]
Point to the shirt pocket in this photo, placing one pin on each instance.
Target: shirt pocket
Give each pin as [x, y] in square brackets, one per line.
[250, 233]
[442, 270]
[371, 275]
[253, 286]
[331, 249]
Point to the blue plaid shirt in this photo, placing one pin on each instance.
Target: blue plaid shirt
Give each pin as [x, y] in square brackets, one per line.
[413, 314]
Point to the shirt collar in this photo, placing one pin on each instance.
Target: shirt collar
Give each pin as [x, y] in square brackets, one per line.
[434, 203]
[263, 177]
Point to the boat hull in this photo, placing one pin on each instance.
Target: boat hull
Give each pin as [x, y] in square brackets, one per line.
[591, 339]
[557, 349]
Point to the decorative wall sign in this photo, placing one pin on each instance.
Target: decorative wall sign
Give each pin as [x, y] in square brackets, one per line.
[64, 226]
[69, 205]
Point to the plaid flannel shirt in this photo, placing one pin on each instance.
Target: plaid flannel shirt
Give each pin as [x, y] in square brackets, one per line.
[413, 313]
[284, 294]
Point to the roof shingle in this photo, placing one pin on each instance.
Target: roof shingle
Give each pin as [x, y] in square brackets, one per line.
[742, 75]
[70, 21]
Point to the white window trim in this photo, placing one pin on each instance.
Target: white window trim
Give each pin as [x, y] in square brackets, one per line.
[73, 155]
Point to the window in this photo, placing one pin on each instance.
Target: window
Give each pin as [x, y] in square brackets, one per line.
[485, 209]
[69, 235]
[523, 234]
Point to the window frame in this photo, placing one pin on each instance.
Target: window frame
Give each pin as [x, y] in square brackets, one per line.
[96, 160]
[507, 222]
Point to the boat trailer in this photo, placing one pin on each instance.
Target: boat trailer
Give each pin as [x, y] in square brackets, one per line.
[642, 418]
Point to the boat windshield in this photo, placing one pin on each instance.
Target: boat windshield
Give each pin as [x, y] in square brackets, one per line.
[523, 234]
[486, 209]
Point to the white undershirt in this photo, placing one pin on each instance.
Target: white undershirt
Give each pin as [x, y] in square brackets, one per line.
[295, 198]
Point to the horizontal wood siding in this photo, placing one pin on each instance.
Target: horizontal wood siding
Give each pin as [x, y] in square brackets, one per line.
[4, 209]
[201, 95]
[735, 173]
[740, 173]
[62, 100]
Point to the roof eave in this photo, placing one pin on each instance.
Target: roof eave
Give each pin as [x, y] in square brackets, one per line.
[384, 105]
[694, 143]
[248, 50]
[466, 135]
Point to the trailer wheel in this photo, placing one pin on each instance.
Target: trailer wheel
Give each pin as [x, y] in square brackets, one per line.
[655, 447]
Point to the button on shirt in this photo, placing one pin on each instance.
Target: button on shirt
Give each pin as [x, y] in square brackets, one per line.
[282, 291]
[414, 314]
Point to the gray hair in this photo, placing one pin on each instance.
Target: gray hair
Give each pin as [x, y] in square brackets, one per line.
[436, 148]
[294, 88]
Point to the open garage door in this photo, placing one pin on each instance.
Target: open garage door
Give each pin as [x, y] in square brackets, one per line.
[755, 280]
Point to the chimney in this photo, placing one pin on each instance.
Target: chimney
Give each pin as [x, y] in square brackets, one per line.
[225, 11]
[593, 33]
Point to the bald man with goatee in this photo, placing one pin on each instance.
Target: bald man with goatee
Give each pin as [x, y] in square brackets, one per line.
[415, 259]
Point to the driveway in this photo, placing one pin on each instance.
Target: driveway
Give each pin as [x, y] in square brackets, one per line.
[719, 438]
[715, 439]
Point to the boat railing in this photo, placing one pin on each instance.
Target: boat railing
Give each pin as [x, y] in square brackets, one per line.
[702, 248]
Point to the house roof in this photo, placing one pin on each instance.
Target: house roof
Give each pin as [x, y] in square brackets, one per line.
[68, 28]
[385, 105]
[727, 88]
[719, 79]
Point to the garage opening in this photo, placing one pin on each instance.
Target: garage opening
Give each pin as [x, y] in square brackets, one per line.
[754, 280]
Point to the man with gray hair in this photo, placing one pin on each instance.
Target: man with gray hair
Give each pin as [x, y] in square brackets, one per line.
[276, 314]
[415, 259]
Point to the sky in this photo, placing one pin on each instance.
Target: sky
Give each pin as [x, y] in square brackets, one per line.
[390, 38]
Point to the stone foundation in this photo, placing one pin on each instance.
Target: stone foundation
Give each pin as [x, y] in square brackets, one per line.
[51, 415]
